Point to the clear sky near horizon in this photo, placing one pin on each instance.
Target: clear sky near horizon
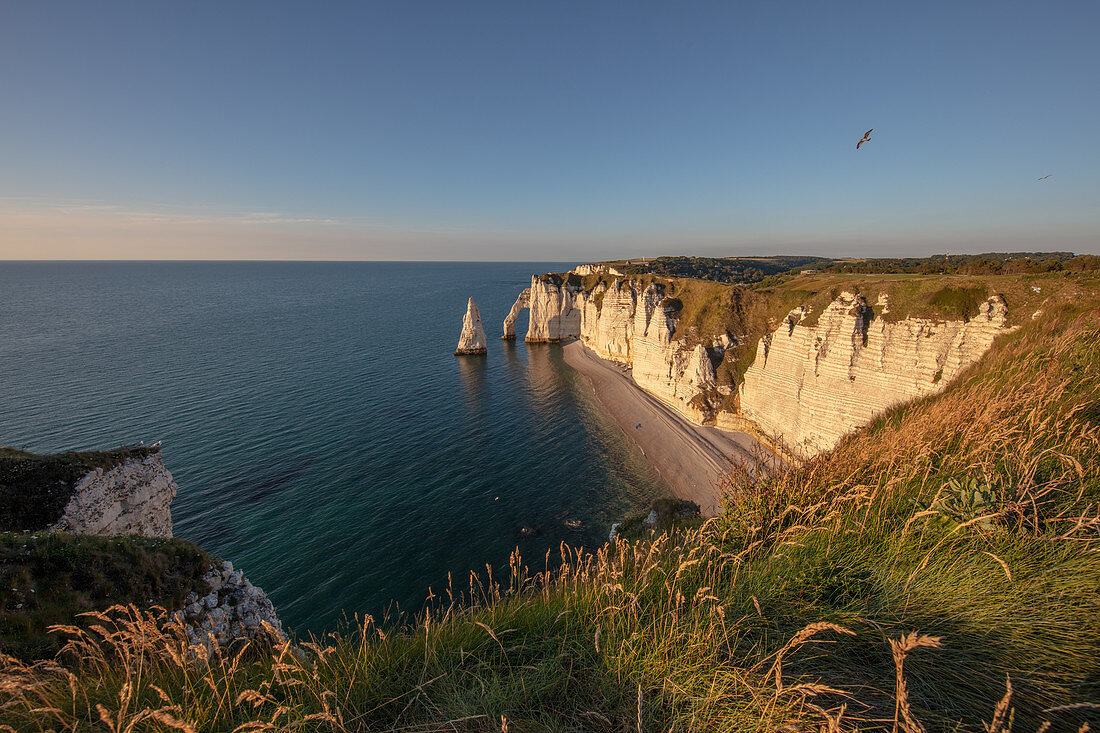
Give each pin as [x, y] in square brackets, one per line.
[526, 130]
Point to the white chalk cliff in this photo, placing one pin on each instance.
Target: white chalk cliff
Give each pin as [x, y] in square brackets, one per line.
[134, 497]
[808, 386]
[627, 326]
[472, 338]
[556, 307]
[812, 385]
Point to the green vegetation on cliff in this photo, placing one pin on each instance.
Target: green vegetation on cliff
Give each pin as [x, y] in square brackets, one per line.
[730, 269]
[904, 581]
[49, 578]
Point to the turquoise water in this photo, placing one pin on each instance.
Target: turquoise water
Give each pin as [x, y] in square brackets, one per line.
[323, 435]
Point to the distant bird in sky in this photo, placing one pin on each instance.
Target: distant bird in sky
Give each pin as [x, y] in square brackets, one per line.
[866, 137]
[1045, 177]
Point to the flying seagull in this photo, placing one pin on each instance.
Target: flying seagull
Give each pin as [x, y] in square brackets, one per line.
[866, 137]
[1045, 177]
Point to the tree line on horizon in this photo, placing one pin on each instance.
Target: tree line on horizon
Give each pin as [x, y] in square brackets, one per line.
[765, 270]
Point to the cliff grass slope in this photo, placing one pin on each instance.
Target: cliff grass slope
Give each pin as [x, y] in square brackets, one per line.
[937, 570]
[52, 578]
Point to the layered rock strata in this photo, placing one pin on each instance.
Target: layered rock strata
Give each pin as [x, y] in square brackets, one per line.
[556, 307]
[230, 611]
[471, 340]
[134, 497]
[598, 268]
[809, 384]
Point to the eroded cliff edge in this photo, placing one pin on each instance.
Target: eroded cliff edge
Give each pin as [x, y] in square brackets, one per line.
[134, 497]
[83, 531]
[811, 377]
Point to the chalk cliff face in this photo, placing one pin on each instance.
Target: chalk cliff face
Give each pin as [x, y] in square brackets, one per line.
[619, 323]
[808, 386]
[614, 323]
[811, 385]
[471, 340]
[666, 367]
[134, 497]
[555, 309]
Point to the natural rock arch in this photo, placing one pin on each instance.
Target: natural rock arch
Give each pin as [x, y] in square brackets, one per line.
[523, 301]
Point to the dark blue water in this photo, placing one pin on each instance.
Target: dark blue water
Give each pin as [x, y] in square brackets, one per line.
[322, 433]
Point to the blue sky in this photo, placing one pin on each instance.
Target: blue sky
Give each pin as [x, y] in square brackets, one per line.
[545, 130]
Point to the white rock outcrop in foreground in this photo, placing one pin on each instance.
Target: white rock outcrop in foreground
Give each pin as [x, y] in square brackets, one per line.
[231, 610]
[134, 497]
[472, 338]
[808, 386]
[812, 385]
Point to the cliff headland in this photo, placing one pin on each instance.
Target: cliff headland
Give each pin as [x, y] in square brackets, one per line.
[81, 532]
[799, 361]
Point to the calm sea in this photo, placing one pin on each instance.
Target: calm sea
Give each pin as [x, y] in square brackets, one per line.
[323, 435]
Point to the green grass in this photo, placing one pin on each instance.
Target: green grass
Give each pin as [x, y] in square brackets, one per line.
[959, 303]
[34, 489]
[49, 578]
[783, 613]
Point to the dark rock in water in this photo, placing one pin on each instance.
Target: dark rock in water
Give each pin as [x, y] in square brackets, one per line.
[530, 530]
[573, 523]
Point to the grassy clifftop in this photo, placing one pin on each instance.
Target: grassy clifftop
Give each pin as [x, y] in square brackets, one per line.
[50, 578]
[939, 570]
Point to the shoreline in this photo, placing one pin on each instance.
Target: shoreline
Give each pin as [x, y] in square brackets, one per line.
[688, 457]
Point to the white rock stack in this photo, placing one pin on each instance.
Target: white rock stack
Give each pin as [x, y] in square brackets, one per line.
[472, 338]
